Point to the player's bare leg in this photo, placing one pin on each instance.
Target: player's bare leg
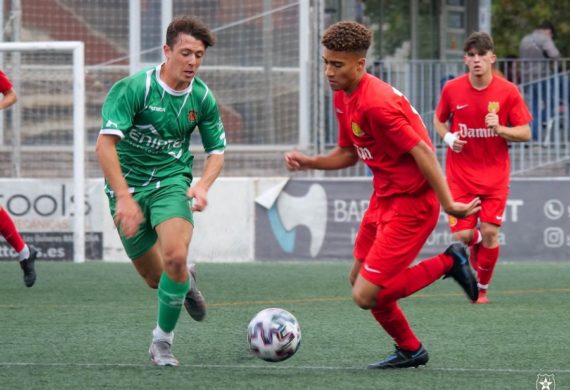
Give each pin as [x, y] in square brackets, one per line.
[164, 267]
[364, 294]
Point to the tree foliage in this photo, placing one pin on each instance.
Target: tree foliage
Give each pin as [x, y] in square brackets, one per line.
[513, 19]
[393, 19]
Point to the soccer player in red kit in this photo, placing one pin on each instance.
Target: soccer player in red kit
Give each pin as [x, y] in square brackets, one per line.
[485, 112]
[26, 255]
[378, 125]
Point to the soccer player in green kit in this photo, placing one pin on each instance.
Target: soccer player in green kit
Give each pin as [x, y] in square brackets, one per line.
[143, 150]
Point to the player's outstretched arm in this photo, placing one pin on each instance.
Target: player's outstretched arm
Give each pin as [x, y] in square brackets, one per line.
[337, 158]
[430, 168]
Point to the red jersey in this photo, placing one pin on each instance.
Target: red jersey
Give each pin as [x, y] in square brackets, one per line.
[5, 83]
[381, 124]
[483, 166]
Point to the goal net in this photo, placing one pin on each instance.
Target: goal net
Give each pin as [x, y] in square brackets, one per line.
[42, 137]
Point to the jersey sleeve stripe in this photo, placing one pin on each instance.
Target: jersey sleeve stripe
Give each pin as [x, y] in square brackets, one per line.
[216, 151]
[147, 87]
[116, 132]
[205, 95]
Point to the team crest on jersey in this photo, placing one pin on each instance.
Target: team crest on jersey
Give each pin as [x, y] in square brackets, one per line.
[452, 221]
[192, 116]
[493, 107]
[356, 130]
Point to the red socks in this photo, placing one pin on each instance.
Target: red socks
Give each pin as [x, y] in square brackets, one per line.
[388, 313]
[487, 259]
[414, 279]
[8, 230]
[392, 319]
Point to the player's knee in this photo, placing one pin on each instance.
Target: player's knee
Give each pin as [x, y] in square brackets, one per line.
[465, 236]
[175, 267]
[175, 263]
[174, 255]
[363, 300]
[490, 234]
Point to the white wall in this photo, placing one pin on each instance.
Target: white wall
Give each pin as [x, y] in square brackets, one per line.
[224, 232]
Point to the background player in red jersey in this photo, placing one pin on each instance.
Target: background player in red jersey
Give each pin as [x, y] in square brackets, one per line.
[378, 125]
[26, 255]
[484, 112]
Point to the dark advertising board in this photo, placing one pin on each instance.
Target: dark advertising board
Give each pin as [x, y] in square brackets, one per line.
[318, 220]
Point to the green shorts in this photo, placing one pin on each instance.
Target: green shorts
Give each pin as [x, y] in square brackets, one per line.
[157, 205]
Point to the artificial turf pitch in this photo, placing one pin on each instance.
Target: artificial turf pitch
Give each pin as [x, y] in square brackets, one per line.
[88, 326]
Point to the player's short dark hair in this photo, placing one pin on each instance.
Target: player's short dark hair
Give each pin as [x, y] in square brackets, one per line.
[547, 25]
[480, 41]
[347, 36]
[190, 25]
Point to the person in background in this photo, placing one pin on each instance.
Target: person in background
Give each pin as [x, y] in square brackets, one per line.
[27, 255]
[535, 50]
[477, 116]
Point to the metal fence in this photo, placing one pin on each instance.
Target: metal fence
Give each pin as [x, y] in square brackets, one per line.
[255, 73]
[544, 85]
[253, 70]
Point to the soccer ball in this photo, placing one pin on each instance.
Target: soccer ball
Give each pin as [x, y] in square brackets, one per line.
[274, 335]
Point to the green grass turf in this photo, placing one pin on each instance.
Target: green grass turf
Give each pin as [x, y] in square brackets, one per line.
[88, 326]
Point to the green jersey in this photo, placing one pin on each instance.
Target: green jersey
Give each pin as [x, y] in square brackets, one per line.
[155, 123]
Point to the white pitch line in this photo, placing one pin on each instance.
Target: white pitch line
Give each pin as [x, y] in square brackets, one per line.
[274, 367]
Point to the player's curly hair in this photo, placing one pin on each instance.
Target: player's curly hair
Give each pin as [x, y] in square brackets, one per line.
[480, 41]
[189, 25]
[347, 36]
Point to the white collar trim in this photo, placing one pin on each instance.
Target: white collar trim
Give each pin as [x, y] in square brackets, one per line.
[170, 90]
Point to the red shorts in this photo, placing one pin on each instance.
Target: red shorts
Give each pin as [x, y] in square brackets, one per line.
[392, 233]
[492, 210]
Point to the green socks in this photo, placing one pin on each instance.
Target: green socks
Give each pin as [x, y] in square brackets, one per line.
[171, 296]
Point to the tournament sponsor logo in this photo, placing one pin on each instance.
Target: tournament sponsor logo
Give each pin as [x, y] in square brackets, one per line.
[493, 107]
[468, 132]
[356, 130]
[148, 137]
[363, 153]
[157, 109]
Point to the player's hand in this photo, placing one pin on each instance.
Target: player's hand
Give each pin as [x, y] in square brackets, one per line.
[128, 215]
[199, 196]
[295, 160]
[458, 145]
[454, 142]
[492, 121]
[461, 210]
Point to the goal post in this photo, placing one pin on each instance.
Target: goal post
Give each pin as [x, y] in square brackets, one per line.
[77, 52]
